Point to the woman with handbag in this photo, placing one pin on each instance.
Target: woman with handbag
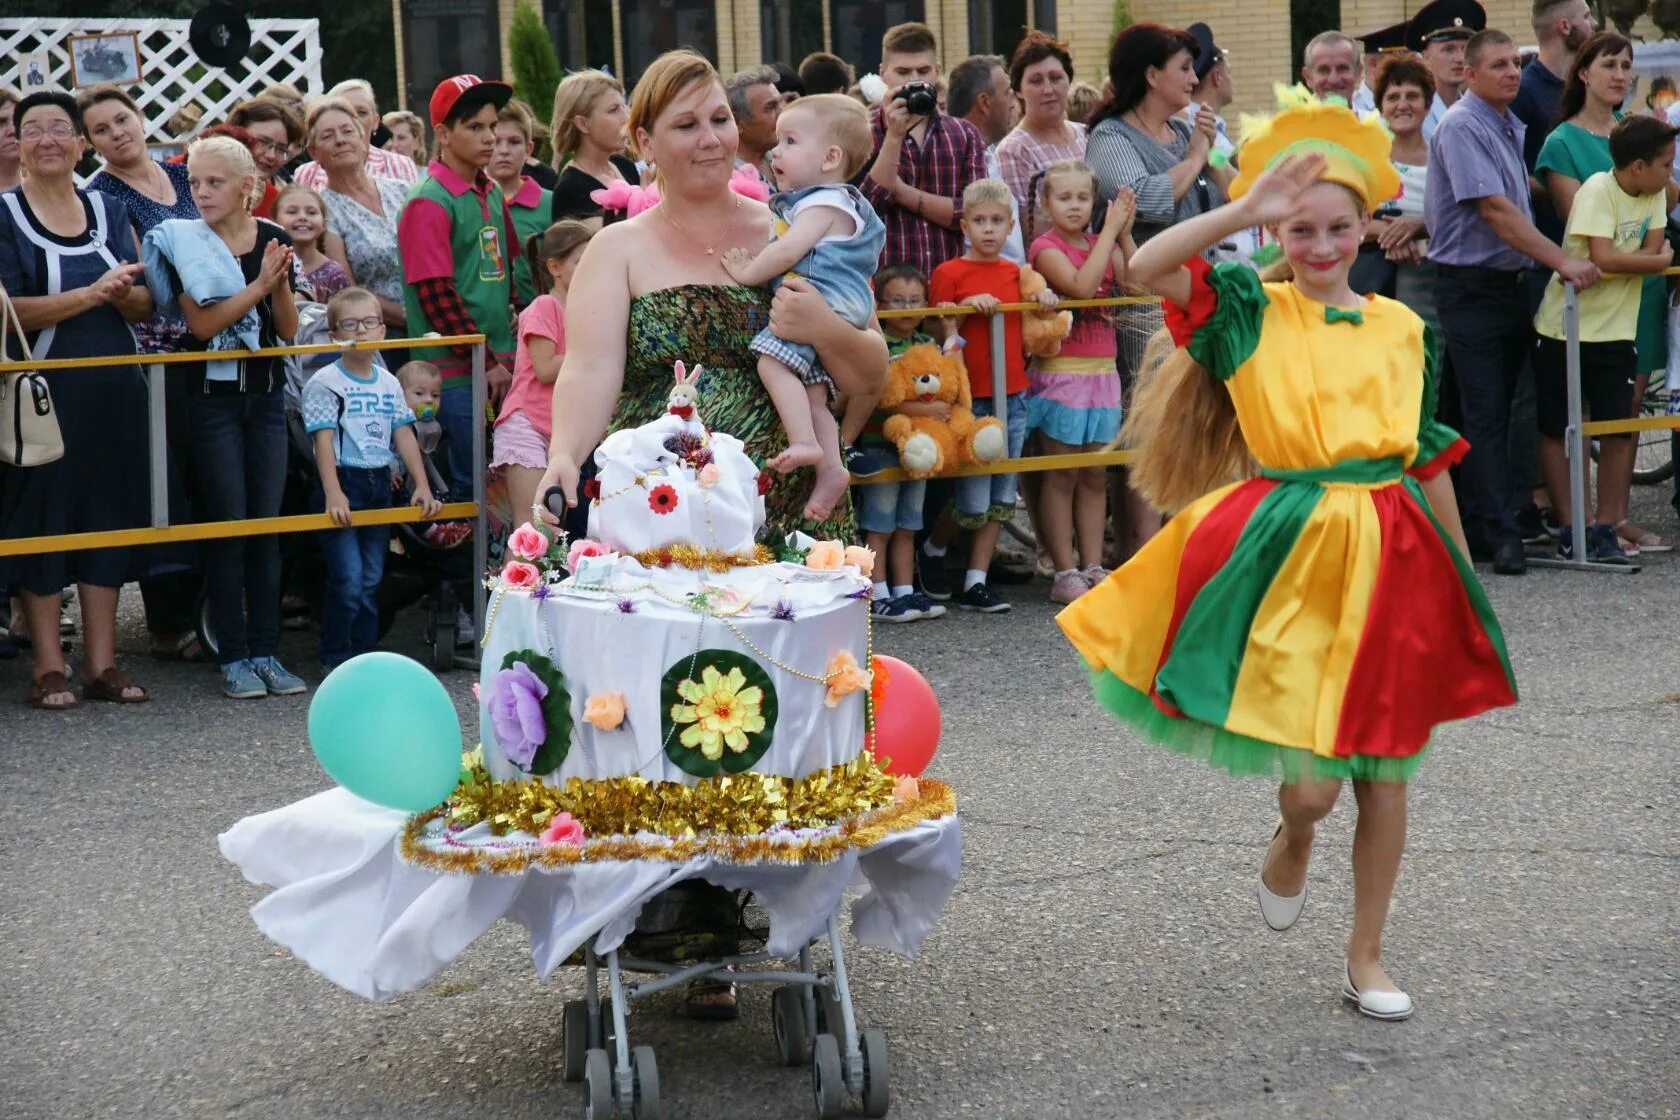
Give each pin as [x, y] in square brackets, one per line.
[69, 262]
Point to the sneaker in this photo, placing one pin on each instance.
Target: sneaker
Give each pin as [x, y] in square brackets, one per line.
[240, 681]
[928, 607]
[1531, 525]
[982, 598]
[898, 609]
[1095, 574]
[1603, 547]
[1068, 586]
[936, 581]
[280, 680]
[859, 464]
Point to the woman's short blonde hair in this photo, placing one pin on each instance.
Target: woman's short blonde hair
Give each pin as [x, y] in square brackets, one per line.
[662, 83]
[321, 108]
[575, 96]
[238, 157]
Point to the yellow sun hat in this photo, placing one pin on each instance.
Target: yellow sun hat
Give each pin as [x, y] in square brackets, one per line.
[1357, 150]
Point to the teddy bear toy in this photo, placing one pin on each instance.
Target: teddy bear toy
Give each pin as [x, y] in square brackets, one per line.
[927, 445]
[1041, 331]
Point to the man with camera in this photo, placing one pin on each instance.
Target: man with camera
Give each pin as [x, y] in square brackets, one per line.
[924, 159]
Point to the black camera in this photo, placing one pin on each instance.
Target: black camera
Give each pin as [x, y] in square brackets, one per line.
[919, 97]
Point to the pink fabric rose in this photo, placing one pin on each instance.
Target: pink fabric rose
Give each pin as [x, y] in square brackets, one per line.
[527, 542]
[605, 710]
[825, 556]
[582, 550]
[516, 713]
[709, 475]
[862, 558]
[906, 789]
[519, 575]
[563, 829]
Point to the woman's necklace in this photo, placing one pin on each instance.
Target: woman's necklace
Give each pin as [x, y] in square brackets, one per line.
[1143, 126]
[153, 183]
[712, 248]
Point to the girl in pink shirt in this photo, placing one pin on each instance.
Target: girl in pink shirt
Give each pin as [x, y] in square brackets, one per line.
[1075, 397]
[526, 418]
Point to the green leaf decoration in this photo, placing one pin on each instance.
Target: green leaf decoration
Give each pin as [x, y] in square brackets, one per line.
[557, 710]
[722, 718]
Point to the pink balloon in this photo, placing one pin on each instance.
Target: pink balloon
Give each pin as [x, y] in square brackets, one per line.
[907, 718]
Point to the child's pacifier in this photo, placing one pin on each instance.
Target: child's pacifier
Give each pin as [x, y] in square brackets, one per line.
[426, 412]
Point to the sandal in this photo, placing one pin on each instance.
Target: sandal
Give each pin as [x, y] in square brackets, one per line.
[712, 999]
[1643, 539]
[52, 683]
[110, 685]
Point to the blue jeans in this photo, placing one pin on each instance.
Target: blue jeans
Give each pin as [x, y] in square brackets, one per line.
[355, 565]
[455, 413]
[982, 497]
[239, 460]
[1485, 316]
[885, 507]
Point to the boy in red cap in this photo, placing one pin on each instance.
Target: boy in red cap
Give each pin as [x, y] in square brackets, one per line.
[457, 242]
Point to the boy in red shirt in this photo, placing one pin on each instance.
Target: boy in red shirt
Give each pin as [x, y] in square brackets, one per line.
[982, 279]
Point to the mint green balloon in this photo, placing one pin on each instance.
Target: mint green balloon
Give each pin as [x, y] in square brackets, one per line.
[386, 730]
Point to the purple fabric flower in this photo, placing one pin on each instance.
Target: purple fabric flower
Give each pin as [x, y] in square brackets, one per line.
[516, 713]
[541, 591]
[627, 606]
[782, 611]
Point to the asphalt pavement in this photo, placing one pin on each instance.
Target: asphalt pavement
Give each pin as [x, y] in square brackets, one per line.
[1103, 955]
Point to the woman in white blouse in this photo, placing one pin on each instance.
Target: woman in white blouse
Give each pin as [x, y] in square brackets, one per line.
[362, 209]
[1403, 93]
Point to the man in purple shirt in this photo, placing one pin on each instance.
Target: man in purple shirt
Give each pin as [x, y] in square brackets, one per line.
[1483, 242]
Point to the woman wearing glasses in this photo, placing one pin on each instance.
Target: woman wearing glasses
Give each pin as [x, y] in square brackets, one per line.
[68, 260]
[275, 134]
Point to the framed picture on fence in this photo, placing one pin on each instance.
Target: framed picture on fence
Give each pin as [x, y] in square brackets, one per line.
[112, 57]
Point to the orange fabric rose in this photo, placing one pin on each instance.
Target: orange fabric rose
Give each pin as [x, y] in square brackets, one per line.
[605, 710]
[845, 676]
[862, 558]
[826, 556]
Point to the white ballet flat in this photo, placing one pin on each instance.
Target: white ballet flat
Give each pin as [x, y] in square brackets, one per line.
[1280, 911]
[1391, 1006]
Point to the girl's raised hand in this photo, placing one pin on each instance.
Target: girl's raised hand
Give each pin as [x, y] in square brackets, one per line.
[1280, 186]
[277, 259]
[1121, 212]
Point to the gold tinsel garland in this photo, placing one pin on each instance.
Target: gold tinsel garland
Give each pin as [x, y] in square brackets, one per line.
[933, 800]
[703, 559]
[738, 804]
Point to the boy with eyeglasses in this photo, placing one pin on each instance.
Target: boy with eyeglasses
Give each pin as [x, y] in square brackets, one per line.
[360, 422]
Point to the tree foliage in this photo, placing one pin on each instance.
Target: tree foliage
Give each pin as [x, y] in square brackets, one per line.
[536, 68]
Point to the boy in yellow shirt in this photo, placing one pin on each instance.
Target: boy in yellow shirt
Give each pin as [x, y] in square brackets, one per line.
[1617, 221]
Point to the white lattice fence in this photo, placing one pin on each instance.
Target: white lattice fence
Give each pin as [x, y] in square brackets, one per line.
[172, 77]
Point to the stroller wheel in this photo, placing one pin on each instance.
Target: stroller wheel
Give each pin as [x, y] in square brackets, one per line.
[877, 1073]
[645, 1074]
[787, 1020]
[574, 1039]
[597, 1087]
[207, 633]
[828, 1084]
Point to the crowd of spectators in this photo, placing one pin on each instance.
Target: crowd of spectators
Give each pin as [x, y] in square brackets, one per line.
[442, 217]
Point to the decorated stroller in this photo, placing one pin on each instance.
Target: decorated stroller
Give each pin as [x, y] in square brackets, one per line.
[684, 720]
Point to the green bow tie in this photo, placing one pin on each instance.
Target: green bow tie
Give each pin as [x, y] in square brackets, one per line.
[1343, 315]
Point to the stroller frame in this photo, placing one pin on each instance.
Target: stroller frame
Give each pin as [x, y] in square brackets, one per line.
[811, 1015]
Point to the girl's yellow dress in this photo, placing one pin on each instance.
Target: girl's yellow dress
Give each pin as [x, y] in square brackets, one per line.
[1314, 621]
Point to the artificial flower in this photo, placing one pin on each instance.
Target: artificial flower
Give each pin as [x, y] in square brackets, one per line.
[845, 676]
[721, 712]
[861, 558]
[825, 556]
[709, 475]
[662, 499]
[605, 710]
[563, 829]
[582, 550]
[592, 489]
[783, 611]
[906, 789]
[764, 482]
[516, 713]
[528, 542]
[520, 575]
[627, 606]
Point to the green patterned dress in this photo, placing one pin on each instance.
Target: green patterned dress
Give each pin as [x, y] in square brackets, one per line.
[711, 324]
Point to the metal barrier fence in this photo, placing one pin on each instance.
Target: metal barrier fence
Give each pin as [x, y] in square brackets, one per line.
[162, 532]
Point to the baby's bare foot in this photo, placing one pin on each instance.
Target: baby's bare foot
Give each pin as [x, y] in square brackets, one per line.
[832, 480]
[797, 455]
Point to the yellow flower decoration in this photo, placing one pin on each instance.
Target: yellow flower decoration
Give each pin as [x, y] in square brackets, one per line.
[721, 710]
[845, 677]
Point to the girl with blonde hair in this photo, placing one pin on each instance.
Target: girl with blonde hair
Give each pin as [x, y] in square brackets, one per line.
[1310, 611]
